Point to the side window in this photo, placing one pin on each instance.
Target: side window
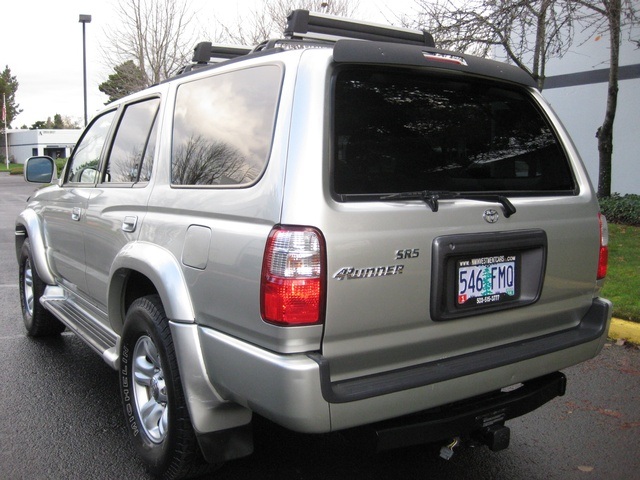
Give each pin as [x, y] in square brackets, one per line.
[85, 163]
[132, 151]
[149, 154]
[223, 127]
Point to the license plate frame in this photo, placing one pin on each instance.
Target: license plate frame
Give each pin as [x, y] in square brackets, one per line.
[529, 247]
[486, 280]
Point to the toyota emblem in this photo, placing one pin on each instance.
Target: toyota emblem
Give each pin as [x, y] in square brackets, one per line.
[491, 215]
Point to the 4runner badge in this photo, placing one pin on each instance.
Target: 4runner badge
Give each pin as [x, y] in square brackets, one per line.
[351, 273]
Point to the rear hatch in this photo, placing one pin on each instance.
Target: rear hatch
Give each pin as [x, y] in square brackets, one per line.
[460, 220]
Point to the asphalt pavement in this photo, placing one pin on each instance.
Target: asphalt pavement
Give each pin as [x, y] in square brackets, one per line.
[61, 418]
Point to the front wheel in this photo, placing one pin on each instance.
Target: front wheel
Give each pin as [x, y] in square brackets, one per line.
[38, 321]
[154, 404]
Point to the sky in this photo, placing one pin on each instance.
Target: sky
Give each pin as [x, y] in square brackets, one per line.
[41, 42]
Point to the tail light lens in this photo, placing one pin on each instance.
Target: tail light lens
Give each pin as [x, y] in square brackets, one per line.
[603, 259]
[292, 289]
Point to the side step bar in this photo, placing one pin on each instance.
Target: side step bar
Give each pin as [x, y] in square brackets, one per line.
[84, 320]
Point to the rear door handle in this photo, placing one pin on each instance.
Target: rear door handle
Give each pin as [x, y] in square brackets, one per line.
[129, 223]
[76, 213]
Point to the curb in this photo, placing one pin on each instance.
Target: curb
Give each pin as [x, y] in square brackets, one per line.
[624, 330]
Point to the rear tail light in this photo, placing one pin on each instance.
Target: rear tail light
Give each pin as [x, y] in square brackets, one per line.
[603, 258]
[292, 289]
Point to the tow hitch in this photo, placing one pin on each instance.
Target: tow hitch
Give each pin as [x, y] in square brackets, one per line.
[496, 437]
[479, 420]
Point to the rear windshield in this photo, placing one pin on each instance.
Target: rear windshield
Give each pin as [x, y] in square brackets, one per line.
[399, 131]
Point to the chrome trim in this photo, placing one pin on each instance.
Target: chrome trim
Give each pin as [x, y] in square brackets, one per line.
[491, 215]
[85, 320]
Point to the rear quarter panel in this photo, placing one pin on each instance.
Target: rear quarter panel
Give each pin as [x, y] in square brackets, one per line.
[218, 234]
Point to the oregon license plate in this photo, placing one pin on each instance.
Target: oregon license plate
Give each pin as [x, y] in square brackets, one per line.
[486, 280]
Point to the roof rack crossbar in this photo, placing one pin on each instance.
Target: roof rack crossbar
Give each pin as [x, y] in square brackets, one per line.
[302, 24]
[206, 53]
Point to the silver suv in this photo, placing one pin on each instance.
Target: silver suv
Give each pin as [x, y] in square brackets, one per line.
[334, 234]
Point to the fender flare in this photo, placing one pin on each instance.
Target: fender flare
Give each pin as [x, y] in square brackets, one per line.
[162, 268]
[29, 219]
[209, 411]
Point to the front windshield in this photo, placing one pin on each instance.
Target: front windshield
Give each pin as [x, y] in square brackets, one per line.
[400, 130]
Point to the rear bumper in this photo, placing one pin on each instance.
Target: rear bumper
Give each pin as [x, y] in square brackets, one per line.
[593, 326]
[296, 391]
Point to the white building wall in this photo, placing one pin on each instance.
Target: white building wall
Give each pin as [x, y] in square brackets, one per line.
[27, 143]
[581, 105]
[581, 108]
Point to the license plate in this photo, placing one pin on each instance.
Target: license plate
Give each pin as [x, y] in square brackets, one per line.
[486, 280]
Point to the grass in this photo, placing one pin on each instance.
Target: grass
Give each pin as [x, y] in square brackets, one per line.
[622, 286]
[17, 168]
[14, 169]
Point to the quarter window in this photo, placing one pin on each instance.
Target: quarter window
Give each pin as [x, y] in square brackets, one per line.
[223, 127]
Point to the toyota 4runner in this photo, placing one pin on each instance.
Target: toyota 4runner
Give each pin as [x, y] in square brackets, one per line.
[330, 232]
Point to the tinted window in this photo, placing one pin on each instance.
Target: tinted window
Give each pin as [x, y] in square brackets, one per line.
[223, 127]
[85, 162]
[132, 151]
[149, 154]
[404, 131]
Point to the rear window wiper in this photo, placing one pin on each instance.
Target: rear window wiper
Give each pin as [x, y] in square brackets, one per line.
[431, 197]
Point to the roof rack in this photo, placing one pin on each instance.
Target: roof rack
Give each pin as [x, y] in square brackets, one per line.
[302, 24]
[310, 30]
[206, 53]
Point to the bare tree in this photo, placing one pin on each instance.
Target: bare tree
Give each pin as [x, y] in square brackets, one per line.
[610, 16]
[155, 35]
[270, 18]
[529, 32]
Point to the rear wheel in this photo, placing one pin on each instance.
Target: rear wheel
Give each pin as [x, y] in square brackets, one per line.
[38, 321]
[154, 404]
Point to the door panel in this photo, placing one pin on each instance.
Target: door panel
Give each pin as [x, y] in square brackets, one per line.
[118, 205]
[63, 216]
[64, 213]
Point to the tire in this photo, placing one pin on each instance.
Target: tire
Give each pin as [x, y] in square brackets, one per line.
[38, 321]
[154, 405]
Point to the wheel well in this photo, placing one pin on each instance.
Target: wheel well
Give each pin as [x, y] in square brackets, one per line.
[137, 286]
[126, 287]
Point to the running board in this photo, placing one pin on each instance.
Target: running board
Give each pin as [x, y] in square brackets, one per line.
[85, 320]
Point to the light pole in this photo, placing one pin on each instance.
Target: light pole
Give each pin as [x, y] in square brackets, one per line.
[84, 19]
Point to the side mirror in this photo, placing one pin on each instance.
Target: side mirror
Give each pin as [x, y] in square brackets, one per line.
[40, 170]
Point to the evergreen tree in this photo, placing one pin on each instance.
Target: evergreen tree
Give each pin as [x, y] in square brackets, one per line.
[128, 78]
[8, 87]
